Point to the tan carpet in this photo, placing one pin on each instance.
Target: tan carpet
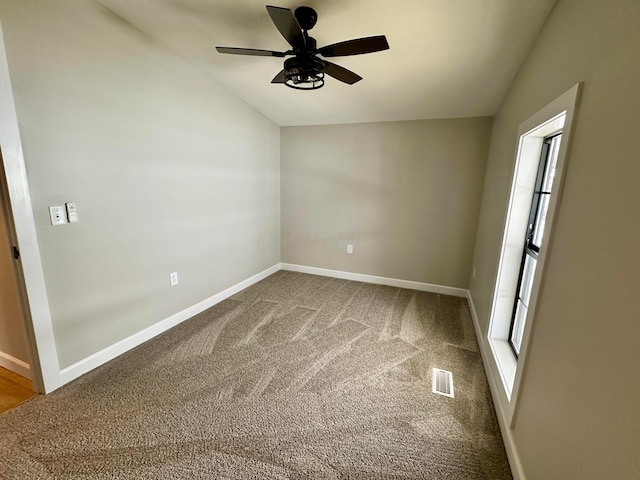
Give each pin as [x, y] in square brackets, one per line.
[298, 376]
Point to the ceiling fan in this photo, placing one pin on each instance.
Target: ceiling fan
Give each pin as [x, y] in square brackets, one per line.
[305, 71]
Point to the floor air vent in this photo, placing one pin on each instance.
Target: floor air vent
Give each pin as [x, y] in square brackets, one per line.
[443, 382]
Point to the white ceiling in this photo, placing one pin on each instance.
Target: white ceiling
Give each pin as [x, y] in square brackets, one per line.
[448, 58]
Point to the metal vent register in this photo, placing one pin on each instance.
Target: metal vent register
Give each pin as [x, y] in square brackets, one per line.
[442, 382]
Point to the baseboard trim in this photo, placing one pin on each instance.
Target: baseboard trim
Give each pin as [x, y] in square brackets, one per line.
[103, 356]
[392, 282]
[15, 365]
[494, 385]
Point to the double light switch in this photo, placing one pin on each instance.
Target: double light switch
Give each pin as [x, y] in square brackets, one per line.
[61, 215]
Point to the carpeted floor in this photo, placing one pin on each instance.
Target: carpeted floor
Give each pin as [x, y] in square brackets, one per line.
[298, 376]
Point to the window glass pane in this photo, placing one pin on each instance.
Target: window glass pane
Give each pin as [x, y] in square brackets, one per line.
[537, 218]
[518, 326]
[541, 216]
[550, 172]
[527, 279]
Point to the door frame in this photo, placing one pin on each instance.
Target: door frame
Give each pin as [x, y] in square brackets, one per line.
[18, 278]
[45, 367]
[43, 357]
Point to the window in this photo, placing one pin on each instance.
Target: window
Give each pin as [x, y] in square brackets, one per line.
[533, 238]
[543, 142]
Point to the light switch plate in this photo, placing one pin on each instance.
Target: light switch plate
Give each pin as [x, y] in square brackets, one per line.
[58, 215]
[72, 212]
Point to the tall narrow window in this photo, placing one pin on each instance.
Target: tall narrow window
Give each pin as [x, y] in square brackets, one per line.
[538, 171]
[533, 238]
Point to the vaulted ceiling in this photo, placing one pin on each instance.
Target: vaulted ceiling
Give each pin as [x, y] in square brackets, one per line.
[447, 58]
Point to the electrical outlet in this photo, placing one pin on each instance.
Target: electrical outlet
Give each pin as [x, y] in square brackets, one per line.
[174, 278]
[349, 248]
[474, 272]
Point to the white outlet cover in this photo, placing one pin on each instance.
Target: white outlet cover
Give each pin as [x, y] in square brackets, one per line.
[173, 277]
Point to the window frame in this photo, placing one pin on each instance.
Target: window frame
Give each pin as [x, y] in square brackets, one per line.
[504, 371]
[531, 249]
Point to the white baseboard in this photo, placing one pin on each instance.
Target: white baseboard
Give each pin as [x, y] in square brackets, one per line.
[392, 282]
[494, 384]
[103, 356]
[15, 365]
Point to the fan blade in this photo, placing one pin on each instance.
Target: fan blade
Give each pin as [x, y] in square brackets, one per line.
[341, 73]
[279, 78]
[250, 51]
[288, 26]
[357, 46]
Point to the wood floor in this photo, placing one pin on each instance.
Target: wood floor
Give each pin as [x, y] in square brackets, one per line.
[14, 389]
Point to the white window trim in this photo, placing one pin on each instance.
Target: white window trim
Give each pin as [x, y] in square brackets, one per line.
[559, 114]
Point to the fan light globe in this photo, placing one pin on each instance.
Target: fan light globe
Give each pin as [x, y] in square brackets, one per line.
[305, 82]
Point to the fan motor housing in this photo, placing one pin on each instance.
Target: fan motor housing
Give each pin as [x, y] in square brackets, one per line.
[306, 17]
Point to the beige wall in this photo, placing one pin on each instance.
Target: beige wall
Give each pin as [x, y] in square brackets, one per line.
[578, 415]
[405, 194]
[170, 172]
[13, 336]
